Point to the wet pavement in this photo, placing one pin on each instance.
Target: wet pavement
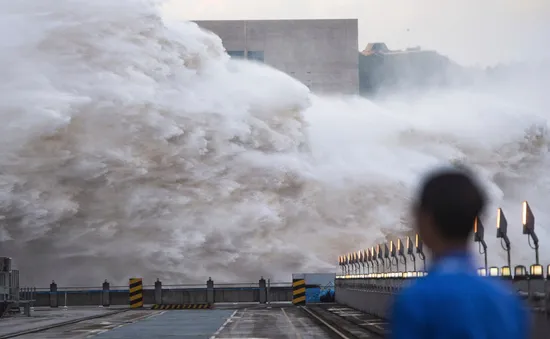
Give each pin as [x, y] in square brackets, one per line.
[353, 322]
[91, 327]
[188, 324]
[272, 323]
[46, 316]
[252, 321]
[364, 320]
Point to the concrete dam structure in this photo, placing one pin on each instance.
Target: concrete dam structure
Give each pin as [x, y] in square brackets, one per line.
[381, 69]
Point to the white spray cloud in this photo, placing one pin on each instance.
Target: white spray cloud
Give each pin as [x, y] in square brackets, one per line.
[132, 146]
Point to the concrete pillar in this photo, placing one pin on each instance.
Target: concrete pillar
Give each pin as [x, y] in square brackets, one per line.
[263, 291]
[158, 292]
[53, 295]
[210, 291]
[105, 294]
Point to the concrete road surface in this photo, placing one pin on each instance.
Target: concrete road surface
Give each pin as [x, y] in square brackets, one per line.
[275, 322]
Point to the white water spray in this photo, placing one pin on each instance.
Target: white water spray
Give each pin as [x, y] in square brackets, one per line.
[136, 147]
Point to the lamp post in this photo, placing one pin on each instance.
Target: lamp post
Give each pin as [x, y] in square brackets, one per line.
[366, 262]
[479, 236]
[380, 256]
[375, 258]
[528, 221]
[348, 264]
[502, 233]
[361, 262]
[393, 256]
[387, 259]
[420, 250]
[401, 253]
[410, 252]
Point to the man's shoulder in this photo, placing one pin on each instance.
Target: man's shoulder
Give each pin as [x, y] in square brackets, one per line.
[451, 283]
[418, 288]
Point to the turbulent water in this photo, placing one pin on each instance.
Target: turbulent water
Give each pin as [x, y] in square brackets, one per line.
[132, 146]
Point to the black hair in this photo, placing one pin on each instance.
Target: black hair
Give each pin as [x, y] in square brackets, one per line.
[453, 200]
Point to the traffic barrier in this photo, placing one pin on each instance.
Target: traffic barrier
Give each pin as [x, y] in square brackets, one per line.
[299, 291]
[182, 307]
[136, 293]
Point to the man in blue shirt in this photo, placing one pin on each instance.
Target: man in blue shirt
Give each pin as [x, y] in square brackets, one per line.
[452, 301]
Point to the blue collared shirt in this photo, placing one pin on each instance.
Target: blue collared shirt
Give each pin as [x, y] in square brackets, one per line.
[453, 302]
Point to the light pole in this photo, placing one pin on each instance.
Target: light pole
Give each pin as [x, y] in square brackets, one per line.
[393, 256]
[420, 250]
[502, 233]
[380, 256]
[410, 252]
[528, 221]
[387, 259]
[375, 258]
[479, 234]
[401, 253]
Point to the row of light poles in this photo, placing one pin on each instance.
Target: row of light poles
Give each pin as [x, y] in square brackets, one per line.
[384, 258]
[528, 225]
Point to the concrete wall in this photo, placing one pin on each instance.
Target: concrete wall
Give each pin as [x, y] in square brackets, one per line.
[169, 296]
[322, 54]
[406, 71]
[376, 297]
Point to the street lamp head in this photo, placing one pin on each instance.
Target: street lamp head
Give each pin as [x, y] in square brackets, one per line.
[527, 219]
[392, 249]
[502, 224]
[369, 255]
[410, 247]
[419, 245]
[479, 230]
[400, 249]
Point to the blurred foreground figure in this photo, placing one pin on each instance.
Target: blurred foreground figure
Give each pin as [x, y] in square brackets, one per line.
[453, 302]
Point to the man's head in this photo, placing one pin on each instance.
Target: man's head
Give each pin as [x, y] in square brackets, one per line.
[445, 210]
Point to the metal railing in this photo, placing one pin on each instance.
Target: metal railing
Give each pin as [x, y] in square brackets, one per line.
[124, 288]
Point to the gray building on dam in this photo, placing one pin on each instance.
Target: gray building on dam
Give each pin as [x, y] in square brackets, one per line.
[322, 54]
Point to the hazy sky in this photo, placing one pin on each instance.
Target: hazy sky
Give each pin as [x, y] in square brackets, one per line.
[469, 31]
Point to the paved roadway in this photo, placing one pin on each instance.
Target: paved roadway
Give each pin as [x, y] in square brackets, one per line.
[251, 322]
[275, 322]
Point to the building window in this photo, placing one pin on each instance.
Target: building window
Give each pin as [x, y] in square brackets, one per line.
[256, 55]
[236, 54]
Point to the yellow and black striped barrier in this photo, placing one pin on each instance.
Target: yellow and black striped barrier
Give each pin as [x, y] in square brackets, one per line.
[136, 293]
[299, 291]
[182, 307]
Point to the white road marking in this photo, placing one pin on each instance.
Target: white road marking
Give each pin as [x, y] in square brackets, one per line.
[340, 334]
[227, 321]
[291, 324]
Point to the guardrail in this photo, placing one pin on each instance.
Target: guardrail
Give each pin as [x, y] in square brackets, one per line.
[157, 293]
